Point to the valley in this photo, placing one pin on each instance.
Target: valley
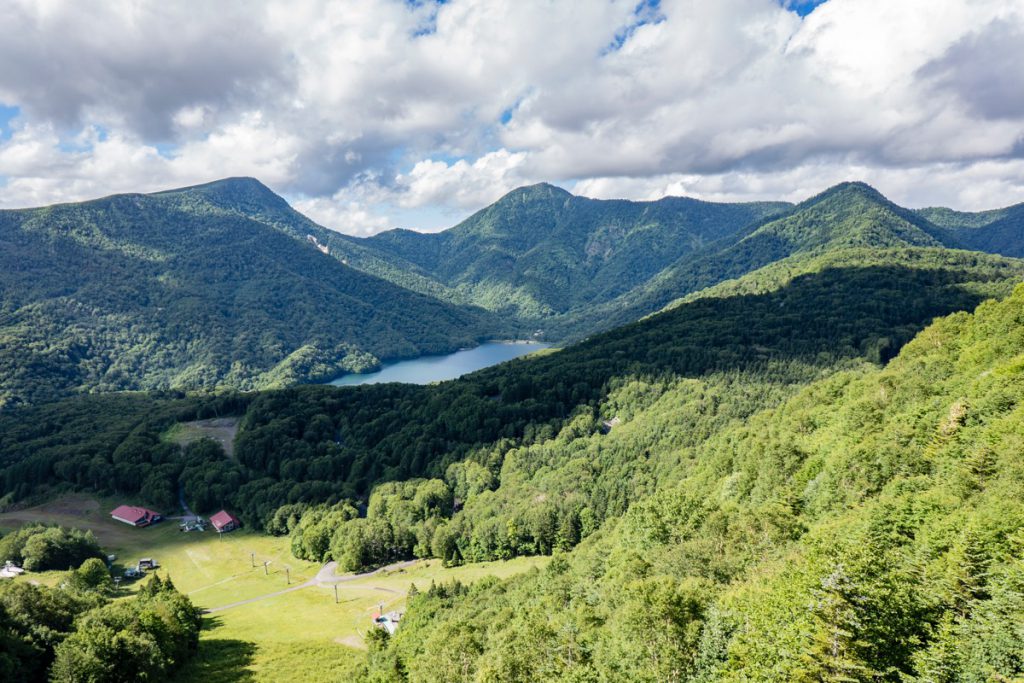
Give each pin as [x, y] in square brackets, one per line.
[518, 341]
[812, 371]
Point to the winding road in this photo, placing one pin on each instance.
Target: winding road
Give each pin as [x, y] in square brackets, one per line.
[324, 577]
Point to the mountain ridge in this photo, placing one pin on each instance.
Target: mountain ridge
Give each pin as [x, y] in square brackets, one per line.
[174, 291]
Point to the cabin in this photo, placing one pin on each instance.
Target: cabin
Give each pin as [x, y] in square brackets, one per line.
[224, 522]
[136, 516]
[388, 622]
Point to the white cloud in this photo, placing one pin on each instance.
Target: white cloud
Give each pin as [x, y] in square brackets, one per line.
[368, 112]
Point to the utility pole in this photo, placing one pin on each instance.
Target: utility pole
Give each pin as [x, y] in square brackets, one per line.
[252, 558]
[335, 594]
[288, 575]
[266, 572]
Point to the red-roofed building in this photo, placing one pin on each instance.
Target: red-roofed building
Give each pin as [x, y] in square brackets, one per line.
[136, 516]
[224, 521]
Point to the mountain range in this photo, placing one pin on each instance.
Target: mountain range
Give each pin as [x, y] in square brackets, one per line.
[225, 285]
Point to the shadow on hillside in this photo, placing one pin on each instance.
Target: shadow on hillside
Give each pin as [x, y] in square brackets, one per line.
[219, 660]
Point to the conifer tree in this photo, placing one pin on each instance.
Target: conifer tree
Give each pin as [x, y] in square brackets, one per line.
[834, 652]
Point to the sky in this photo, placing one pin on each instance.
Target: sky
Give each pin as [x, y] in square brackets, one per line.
[374, 114]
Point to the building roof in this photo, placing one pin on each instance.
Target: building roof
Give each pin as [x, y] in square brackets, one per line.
[133, 515]
[222, 519]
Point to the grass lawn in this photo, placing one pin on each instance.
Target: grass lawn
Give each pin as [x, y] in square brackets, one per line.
[305, 636]
[302, 635]
[212, 569]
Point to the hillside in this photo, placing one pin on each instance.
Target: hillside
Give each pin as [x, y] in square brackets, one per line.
[541, 252]
[572, 266]
[999, 231]
[693, 468]
[867, 528]
[175, 291]
[316, 443]
[849, 216]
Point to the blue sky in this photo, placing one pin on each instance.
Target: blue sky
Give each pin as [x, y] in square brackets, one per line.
[6, 115]
[802, 7]
[389, 113]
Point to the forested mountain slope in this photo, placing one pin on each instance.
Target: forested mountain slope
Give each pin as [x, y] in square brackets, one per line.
[1000, 231]
[849, 216]
[175, 291]
[573, 266]
[319, 443]
[738, 470]
[868, 528]
[541, 251]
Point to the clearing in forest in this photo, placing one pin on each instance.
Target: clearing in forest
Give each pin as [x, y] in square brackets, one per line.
[220, 429]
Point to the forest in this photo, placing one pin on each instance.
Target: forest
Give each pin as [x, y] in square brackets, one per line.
[219, 286]
[319, 444]
[86, 630]
[185, 291]
[867, 527]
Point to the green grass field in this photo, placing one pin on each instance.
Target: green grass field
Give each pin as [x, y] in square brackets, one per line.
[302, 635]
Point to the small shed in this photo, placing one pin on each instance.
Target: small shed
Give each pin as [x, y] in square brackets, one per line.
[10, 570]
[224, 521]
[388, 621]
[136, 516]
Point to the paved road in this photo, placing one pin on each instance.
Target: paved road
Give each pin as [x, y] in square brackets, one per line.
[324, 577]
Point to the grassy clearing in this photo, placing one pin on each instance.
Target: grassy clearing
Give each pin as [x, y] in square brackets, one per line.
[220, 429]
[212, 569]
[299, 636]
[305, 636]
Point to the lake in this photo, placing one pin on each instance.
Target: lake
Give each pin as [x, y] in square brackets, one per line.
[427, 369]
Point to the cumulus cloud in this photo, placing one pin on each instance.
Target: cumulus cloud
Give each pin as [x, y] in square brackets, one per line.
[365, 113]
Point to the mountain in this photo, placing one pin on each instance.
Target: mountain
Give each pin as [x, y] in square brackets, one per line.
[1000, 231]
[195, 288]
[540, 252]
[225, 284]
[868, 527]
[573, 266]
[849, 216]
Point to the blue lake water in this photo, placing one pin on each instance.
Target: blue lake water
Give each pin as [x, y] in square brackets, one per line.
[427, 369]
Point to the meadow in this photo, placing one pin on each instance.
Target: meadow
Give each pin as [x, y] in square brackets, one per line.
[299, 635]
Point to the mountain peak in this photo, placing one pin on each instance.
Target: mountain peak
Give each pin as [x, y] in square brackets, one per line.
[850, 188]
[243, 193]
[537, 191]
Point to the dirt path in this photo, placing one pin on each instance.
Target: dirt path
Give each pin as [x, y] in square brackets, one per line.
[324, 577]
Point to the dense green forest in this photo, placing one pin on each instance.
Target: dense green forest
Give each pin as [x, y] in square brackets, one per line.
[868, 527]
[788, 473]
[312, 444]
[764, 484]
[84, 631]
[175, 291]
[998, 231]
[540, 251]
